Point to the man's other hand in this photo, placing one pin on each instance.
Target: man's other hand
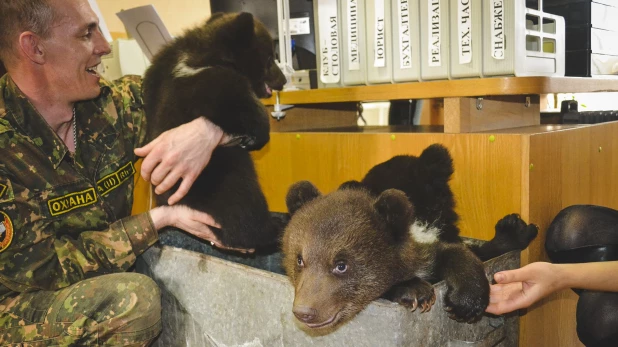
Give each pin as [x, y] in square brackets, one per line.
[179, 153]
[194, 222]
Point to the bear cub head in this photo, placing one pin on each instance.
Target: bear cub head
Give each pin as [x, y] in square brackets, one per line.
[241, 41]
[342, 251]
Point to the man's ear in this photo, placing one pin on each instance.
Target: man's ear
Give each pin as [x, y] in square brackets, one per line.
[396, 211]
[299, 194]
[31, 46]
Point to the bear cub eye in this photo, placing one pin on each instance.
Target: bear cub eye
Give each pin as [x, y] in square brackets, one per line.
[299, 261]
[340, 268]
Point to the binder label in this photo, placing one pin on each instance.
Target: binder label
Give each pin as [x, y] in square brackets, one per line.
[353, 53]
[329, 41]
[464, 26]
[405, 50]
[379, 59]
[497, 29]
[435, 56]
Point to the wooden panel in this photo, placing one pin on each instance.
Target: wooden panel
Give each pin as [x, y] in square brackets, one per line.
[568, 169]
[464, 115]
[449, 88]
[315, 116]
[550, 322]
[486, 183]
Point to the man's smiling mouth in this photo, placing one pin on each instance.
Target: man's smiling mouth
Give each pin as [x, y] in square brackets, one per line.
[93, 70]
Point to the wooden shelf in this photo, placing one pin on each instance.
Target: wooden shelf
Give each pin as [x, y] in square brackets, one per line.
[449, 89]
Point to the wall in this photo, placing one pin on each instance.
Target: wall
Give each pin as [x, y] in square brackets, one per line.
[177, 15]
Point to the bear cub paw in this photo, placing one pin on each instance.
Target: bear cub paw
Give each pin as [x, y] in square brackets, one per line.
[413, 294]
[512, 232]
[466, 306]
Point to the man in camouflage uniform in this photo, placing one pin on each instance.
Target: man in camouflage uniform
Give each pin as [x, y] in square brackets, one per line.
[67, 142]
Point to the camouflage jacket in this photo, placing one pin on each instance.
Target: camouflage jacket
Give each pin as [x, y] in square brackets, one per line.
[66, 217]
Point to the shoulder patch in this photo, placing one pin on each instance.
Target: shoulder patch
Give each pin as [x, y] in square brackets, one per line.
[6, 231]
[69, 202]
[6, 191]
[115, 179]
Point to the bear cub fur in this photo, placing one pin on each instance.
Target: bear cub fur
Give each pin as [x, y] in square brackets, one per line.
[390, 235]
[218, 71]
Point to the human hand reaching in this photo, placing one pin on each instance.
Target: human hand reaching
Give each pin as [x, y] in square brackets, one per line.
[180, 153]
[522, 287]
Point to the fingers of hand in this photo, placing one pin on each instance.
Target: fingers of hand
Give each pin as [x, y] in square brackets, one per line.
[151, 161]
[503, 292]
[205, 218]
[143, 151]
[160, 173]
[182, 190]
[240, 250]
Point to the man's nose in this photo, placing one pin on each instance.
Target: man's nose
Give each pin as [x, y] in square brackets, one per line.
[101, 47]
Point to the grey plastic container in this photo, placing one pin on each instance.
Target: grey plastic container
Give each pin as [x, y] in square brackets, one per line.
[406, 44]
[466, 54]
[353, 41]
[209, 301]
[434, 39]
[379, 41]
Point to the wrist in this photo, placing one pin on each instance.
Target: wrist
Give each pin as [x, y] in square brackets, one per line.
[160, 218]
[563, 276]
[211, 130]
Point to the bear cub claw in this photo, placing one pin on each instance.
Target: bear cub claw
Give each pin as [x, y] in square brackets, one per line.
[413, 294]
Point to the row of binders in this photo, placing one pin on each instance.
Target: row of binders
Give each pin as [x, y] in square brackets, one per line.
[389, 41]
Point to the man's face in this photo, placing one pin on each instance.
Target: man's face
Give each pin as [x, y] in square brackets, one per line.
[73, 51]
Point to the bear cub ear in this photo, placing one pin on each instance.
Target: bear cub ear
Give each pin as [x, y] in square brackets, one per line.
[299, 194]
[242, 28]
[396, 211]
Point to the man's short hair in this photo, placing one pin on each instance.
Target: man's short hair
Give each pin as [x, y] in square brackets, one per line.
[19, 16]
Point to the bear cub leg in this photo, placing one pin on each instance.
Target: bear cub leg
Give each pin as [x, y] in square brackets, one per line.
[512, 233]
[467, 294]
[412, 294]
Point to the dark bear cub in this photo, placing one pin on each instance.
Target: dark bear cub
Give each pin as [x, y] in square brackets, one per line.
[390, 235]
[218, 71]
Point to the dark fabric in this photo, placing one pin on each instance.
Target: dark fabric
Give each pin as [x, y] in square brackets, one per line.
[582, 234]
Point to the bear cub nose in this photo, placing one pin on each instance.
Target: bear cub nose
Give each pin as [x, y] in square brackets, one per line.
[304, 314]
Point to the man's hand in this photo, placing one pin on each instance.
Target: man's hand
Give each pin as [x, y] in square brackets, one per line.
[521, 288]
[192, 221]
[179, 153]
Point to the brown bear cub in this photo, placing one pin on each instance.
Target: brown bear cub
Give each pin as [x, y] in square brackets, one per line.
[218, 71]
[391, 235]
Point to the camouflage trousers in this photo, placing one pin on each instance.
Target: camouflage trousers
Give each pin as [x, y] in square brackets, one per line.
[122, 309]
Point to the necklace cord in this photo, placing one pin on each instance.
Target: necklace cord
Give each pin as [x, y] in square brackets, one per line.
[74, 130]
